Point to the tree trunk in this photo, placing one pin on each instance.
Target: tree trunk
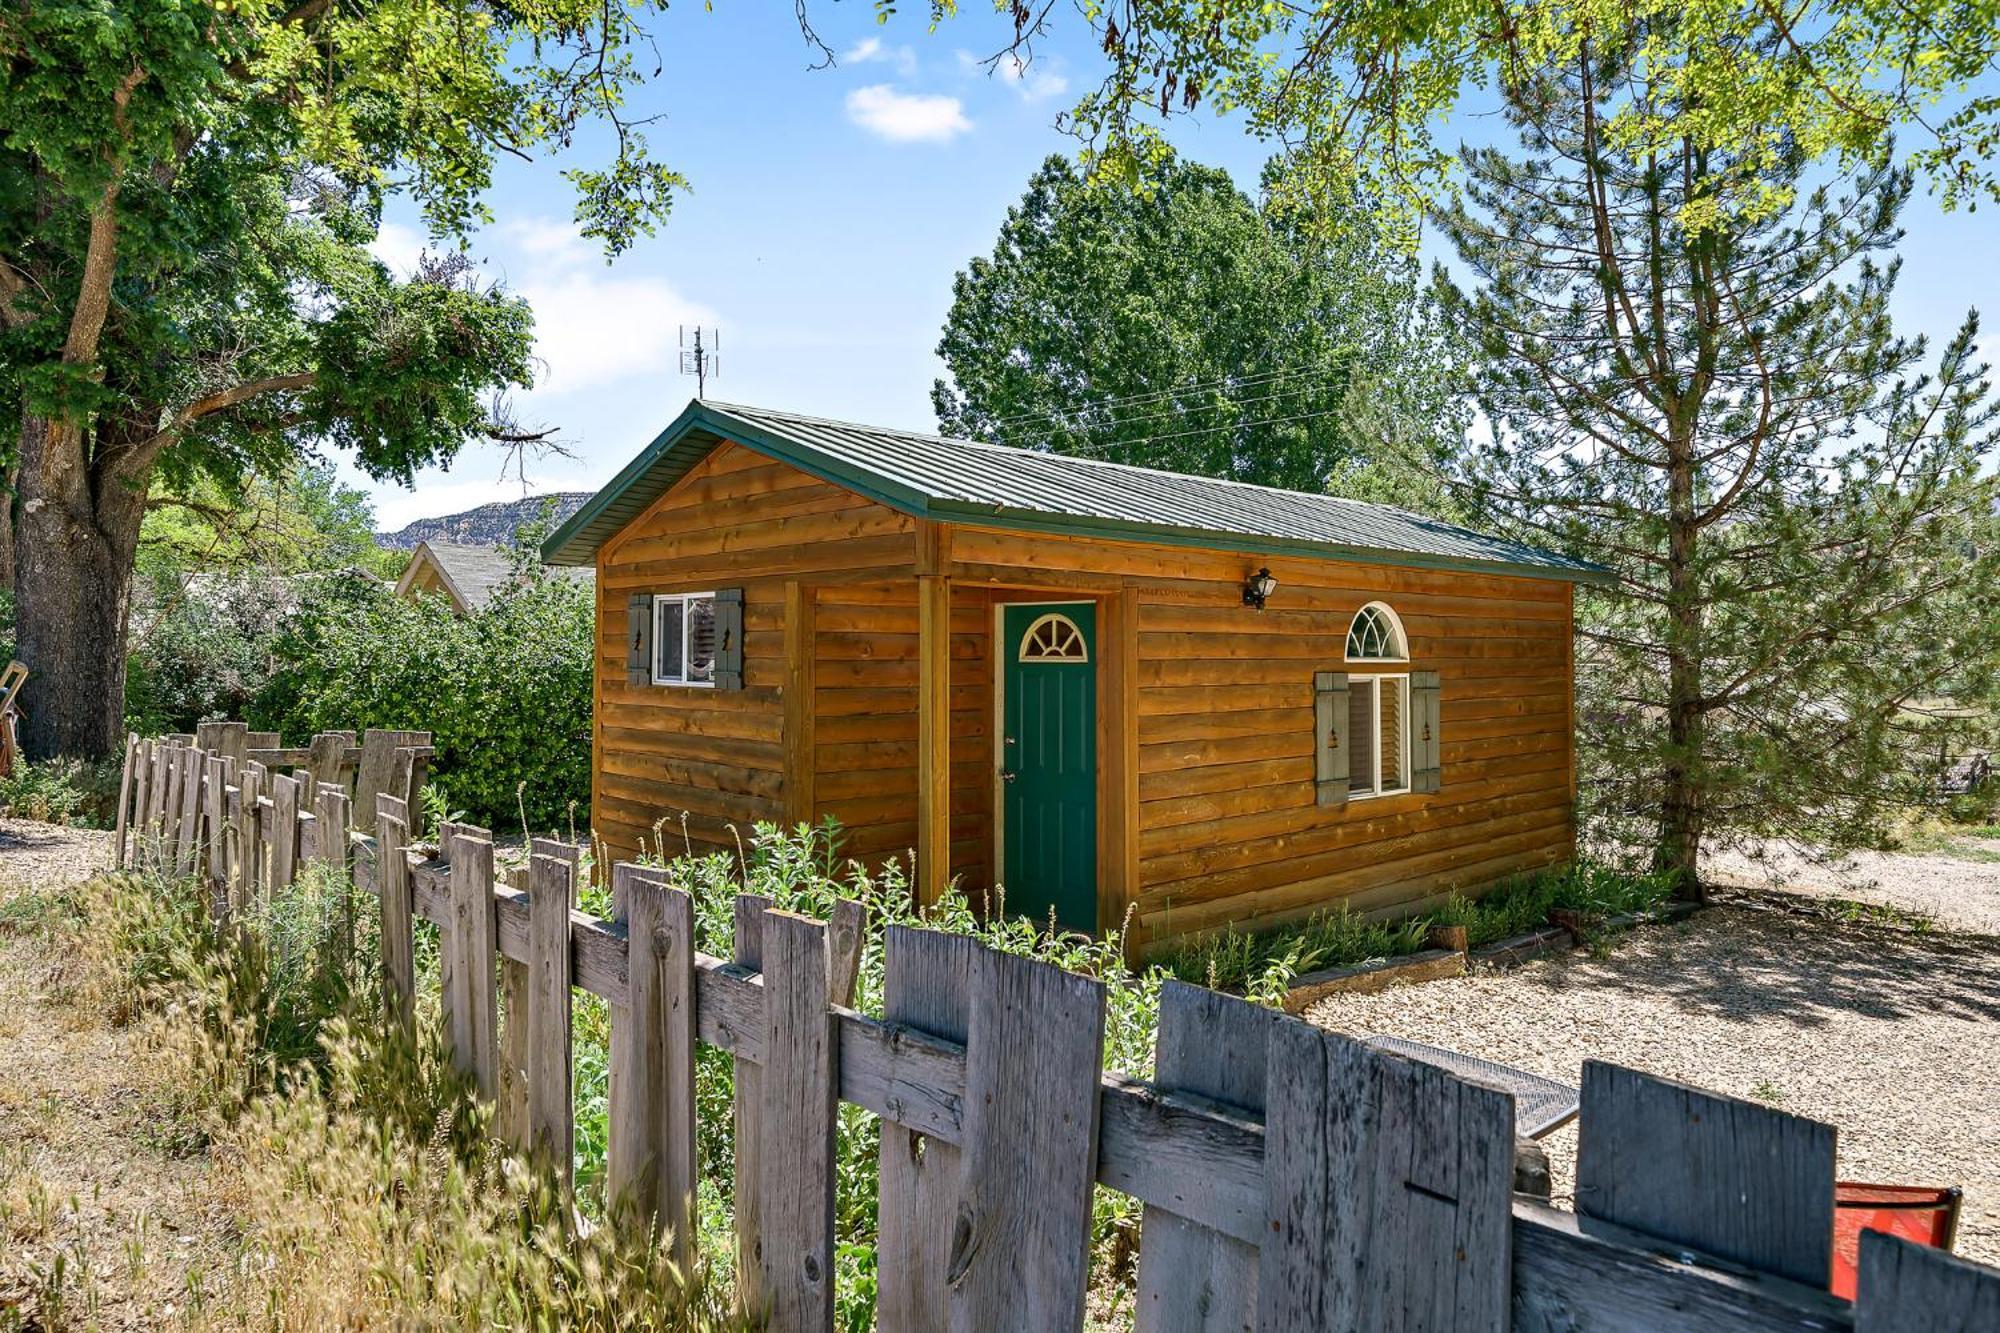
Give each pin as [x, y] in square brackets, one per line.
[1678, 852]
[74, 545]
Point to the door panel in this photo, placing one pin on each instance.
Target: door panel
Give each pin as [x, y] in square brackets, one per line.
[1048, 758]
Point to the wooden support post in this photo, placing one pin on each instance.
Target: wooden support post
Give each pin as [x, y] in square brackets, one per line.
[796, 1156]
[1389, 1192]
[749, 1099]
[800, 765]
[652, 1167]
[1118, 749]
[1763, 1196]
[1190, 1278]
[933, 737]
[928, 975]
[125, 777]
[1020, 1251]
[472, 1002]
[551, 1105]
[392, 882]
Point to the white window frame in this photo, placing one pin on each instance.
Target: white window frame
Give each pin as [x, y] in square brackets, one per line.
[661, 600]
[1373, 684]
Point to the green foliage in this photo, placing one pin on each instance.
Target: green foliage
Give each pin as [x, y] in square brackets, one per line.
[303, 519]
[62, 791]
[504, 692]
[1264, 964]
[1361, 90]
[1803, 523]
[1180, 325]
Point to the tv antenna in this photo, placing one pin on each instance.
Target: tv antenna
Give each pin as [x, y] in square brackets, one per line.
[701, 360]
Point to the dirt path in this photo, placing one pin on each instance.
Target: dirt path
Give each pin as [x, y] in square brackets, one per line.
[1891, 1035]
[1958, 884]
[105, 1220]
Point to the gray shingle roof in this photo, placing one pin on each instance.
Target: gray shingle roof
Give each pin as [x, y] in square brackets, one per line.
[989, 485]
[475, 573]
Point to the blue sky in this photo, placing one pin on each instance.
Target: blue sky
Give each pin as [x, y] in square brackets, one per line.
[830, 209]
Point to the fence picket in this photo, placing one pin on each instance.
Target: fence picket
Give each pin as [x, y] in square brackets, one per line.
[125, 775]
[1763, 1195]
[249, 824]
[551, 1107]
[795, 1153]
[1190, 1278]
[392, 884]
[1390, 1187]
[1020, 1251]
[472, 1004]
[653, 1164]
[376, 765]
[215, 825]
[168, 803]
[928, 974]
[748, 1096]
[283, 833]
[187, 847]
[510, 1117]
[1908, 1288]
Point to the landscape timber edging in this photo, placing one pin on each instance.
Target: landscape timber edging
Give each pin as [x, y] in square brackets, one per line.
[1366, 978]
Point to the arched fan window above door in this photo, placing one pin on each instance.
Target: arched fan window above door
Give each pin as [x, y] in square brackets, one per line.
[1054, 638]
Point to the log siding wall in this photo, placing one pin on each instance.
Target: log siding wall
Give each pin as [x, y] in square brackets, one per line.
[1227, 827]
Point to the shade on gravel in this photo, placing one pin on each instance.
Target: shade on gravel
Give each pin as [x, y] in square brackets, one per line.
[1891, 1035]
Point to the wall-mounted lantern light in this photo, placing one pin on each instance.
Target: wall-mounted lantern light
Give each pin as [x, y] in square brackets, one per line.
[1258, 588]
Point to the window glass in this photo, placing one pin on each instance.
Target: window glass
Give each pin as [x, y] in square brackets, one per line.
[1361, 735]
[1374, 636]
[701, 638]
[668, 647]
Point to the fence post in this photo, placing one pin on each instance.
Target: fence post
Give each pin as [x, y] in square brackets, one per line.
[653, 1166]
[748, 1096]
[795, 1158]
[170, 805]
[551, 1104]
[510, 1116]
[1190, 1278]
[249, 846]
[472, 1005]
[1763, 1196]
[216, 822]
[156, 811]
[928, 973]
[283, 833]
[392, 882]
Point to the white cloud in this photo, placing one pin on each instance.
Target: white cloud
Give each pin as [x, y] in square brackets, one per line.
[594, 325]
[907, 117]
[1034, 80]
[399, 247]
[873, 50]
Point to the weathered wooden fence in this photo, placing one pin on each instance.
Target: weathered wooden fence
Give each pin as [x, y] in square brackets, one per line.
[1293, 1178]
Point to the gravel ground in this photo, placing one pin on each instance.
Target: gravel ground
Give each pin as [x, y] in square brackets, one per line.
[1891, 1035]
[1959, 887]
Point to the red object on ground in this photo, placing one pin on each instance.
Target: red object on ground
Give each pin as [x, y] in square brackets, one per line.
[1912, 1212]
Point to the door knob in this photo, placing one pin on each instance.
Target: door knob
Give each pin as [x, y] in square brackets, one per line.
[1008, 775]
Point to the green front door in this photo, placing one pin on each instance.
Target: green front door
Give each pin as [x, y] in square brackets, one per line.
[1048, 761]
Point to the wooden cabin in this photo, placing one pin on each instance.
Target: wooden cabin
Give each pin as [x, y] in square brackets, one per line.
[1105, 688]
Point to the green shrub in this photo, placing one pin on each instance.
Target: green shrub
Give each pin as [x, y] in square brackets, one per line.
[505, 692]
[62, 791]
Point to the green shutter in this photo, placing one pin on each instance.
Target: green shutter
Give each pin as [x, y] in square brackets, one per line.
[729, 639]
[639, 639]
[1329, 740]
[1424, 750]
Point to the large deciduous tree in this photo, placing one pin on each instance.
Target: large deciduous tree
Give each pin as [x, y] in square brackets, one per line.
[1181, 325]
[1802, 520]
[187, 190]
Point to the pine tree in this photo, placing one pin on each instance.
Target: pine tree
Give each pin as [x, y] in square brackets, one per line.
[1800, 519]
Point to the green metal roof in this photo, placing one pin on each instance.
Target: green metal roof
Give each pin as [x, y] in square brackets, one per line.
[1025, 490]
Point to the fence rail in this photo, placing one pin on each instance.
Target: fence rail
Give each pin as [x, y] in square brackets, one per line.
[1292, 1177]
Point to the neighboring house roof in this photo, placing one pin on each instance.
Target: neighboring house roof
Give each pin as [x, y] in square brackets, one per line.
[990, 485]
[469, 575]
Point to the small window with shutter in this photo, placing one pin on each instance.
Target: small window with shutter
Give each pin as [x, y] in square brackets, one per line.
[691, 638]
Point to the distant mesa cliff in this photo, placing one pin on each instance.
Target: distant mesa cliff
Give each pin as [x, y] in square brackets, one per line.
[488, 525]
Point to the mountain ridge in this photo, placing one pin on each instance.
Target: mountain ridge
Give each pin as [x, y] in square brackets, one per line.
[487, 525]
